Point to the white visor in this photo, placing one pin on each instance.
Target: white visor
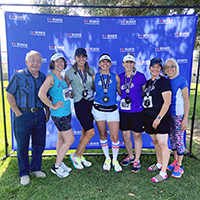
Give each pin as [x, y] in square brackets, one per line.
[105, 57]
[129, 58]
[56, 56]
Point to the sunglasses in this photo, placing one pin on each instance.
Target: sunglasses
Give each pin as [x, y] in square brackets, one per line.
[167, 67]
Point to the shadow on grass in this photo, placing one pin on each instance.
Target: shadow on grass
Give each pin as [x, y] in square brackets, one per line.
[95, 183]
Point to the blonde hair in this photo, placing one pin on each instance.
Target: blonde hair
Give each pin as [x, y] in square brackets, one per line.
[175, 63]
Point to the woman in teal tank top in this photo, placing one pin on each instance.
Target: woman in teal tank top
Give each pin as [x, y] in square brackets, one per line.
[60, 110]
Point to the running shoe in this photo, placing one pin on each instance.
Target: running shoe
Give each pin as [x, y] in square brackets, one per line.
[85, 162]
[59, 171]
[127, 161]
[67, 169]
[136, 166]
[76, 161]
[117, 166]
[106, 165]
[172, 166]
[178, 171]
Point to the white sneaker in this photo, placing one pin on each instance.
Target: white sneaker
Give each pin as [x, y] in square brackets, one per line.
[67, 169]
[39, 174]
[85, 162]
[116, 166]
[106, 165]
[59, 171]
[24, 180]
[76, 161]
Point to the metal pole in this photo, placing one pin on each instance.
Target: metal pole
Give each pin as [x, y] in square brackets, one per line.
[194, 107]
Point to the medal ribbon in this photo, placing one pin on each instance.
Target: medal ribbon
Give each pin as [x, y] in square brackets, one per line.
[84, 79]
[105, 86]
[128, 85]
[150, 86]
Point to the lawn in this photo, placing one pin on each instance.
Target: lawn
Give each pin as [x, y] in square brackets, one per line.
[95, 183]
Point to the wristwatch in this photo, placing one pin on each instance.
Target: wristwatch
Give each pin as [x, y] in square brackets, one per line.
[159, 117]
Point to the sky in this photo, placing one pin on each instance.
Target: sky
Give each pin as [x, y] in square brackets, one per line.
[11, 8]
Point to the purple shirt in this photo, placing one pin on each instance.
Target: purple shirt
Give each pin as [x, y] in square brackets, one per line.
[135, 92]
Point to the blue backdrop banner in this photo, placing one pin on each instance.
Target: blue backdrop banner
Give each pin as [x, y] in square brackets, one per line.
[145, 37]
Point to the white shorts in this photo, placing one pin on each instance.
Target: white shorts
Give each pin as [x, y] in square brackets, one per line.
[107, 116]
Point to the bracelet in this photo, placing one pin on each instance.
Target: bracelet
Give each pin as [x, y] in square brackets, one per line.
[159, 117]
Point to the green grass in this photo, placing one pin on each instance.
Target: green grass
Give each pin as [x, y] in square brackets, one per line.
[94, 183]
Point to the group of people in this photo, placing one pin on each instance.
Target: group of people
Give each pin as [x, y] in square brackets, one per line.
[158, 106]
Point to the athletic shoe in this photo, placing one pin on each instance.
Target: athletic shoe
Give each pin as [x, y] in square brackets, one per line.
[67, 169]
[136, 166]
[106, 165]
[59, 171]
[76, 161]
[24, 180]
[85, 162]
[178, 171]
[127, 161]
[116, 166]
[172, 166]
[39, 174]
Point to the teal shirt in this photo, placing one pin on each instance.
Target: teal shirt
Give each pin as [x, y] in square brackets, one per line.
[77, 85]
[60, 92]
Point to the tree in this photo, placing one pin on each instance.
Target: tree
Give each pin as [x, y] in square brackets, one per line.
[122, 11]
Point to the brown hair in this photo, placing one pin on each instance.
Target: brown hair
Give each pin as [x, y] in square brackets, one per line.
[75, 66]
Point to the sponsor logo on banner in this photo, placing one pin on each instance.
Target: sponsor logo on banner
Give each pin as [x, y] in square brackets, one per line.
[131, 49]
[109, 36]
[74, 35]
[52, 47]
[19, 45]
[54, 20]
[182, 60]
[182, 34]
[77, 132]
[44, 60]
[92, 49]
[128, 22]
[114, 62]
[94, 144]
[91, 22]
[38, 33]
[145, 36]
[143, 62]
[17, 17]
[53, 144]
[165, 21]
[162, 48]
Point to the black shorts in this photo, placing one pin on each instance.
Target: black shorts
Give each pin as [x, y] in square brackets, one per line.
[62, 123]
[83, 110]
[132, 121]
[163, 127]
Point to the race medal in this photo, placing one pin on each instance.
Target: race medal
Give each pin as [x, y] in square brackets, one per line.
[128, 100]
[105, 99]
[84, 93]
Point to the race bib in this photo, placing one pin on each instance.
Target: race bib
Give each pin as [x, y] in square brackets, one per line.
[147, 102]
[66, 94]
[124, 105]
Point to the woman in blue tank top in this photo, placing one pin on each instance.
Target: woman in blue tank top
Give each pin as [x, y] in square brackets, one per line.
[105, 109]
[60, 110]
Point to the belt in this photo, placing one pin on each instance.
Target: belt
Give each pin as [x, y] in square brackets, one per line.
[31, 109]
[105, 108]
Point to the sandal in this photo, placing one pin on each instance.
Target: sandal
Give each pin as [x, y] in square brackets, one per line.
[154, 168]
[158, 178]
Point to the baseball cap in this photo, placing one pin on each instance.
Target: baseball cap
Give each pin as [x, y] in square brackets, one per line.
[156, 61]
[80, 51]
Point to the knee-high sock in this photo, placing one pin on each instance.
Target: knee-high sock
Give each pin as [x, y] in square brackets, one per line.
[115, 149]
[104, 146]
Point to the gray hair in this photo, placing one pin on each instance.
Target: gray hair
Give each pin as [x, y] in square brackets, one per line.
[30, 53]
[175, 63]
